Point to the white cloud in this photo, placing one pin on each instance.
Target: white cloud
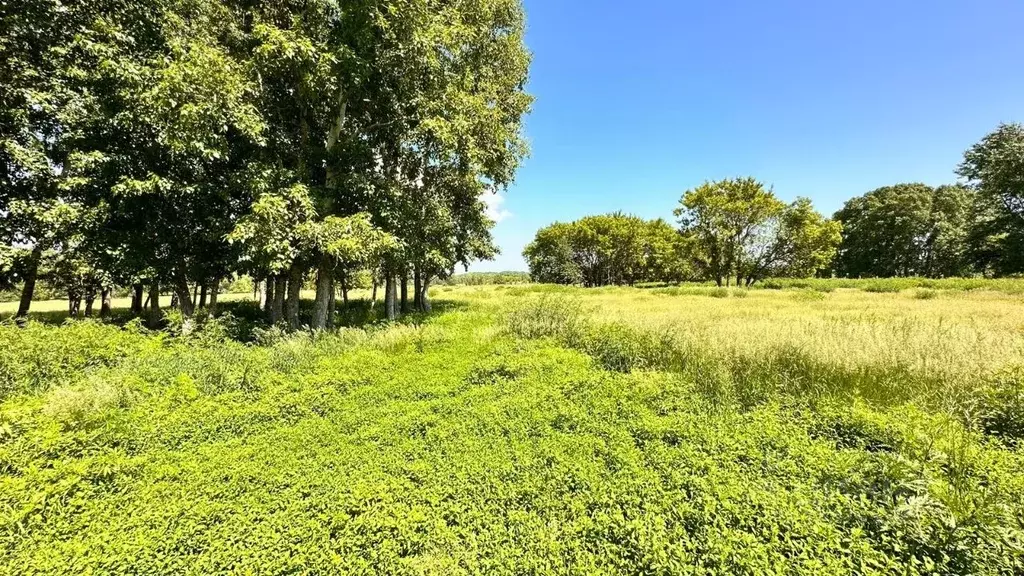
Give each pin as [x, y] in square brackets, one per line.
[494, 202]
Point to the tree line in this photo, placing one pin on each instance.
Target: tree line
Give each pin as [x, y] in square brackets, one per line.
[730, 230]
[169, 144]
[738, 231]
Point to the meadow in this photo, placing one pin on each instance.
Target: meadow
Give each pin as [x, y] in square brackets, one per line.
[528, 429]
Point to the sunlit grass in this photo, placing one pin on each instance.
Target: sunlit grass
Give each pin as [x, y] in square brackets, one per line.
[937, 349]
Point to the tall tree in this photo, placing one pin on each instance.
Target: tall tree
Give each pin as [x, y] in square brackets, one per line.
[798, 242]
[995, 168]
[723, 218]
[906, 230]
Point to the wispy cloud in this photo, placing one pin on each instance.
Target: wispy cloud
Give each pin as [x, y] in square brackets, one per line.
[494, 202]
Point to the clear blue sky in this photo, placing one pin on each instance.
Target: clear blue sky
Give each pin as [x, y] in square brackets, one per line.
[638, 101]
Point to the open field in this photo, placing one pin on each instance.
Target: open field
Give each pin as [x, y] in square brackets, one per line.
[528, 429]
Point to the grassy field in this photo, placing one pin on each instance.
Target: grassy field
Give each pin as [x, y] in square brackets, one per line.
[527, 430]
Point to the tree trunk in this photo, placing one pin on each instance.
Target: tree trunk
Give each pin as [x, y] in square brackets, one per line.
[137, 290]
[203, 291]
[417, 289]
[174, 298]
[404, 290]
[330, 308]
[294, 294]
[389, 298]
[324, 287]
[214, 290]
[29, 289]
[268, 304]
[90, 299]
[425, 295]
[373, 295]
[195, 297]
[280, 291]
[344, 289]
[105, 302]
[185, 302]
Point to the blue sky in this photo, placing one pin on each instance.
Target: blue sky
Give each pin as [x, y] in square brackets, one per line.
[638, 101]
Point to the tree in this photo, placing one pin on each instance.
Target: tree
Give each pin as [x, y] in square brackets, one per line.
[723, 218]
[365, 102]
[550, 256]
[38, 105]
[798, 242]
[668, 255]
[176, 142]
[994, 167]
[907, 230]
[608, 249]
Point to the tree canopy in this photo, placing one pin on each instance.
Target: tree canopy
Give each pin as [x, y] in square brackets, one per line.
[742, 231]
[994, 167]
[609, 249]
[907, 230]
[180, 141]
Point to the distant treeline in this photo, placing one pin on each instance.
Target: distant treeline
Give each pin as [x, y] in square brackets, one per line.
[487, 278]
[738, 231]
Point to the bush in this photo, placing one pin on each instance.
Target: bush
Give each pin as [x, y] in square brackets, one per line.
[1001, 408]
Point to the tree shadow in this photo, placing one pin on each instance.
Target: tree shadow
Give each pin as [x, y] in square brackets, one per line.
[244, 320]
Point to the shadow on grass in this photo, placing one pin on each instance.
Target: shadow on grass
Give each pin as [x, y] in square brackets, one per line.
[244, 320]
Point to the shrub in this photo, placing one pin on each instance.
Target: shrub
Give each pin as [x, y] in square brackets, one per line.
[1001, 407]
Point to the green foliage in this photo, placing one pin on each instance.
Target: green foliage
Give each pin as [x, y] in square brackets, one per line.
[36, 357]
[994, 167]
[907, 230]
[740, 230]
[1002, 407]
[609, 249]
[488, 278]
[449, 446]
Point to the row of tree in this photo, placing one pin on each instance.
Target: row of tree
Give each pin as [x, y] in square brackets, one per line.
[958, 230]
[731, 230]
[737, 230]
[172, 143]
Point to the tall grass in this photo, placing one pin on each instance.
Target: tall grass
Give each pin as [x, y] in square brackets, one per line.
[882, 348]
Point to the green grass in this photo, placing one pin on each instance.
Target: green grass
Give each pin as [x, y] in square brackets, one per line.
[526, 430]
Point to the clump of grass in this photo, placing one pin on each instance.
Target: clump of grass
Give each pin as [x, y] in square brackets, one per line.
[926, 294]
[84, 405]
[809, 295]
[883, 286]
[1001, 407]
[547, 316]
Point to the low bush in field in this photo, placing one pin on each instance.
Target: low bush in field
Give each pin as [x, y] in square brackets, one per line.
[37, 357]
